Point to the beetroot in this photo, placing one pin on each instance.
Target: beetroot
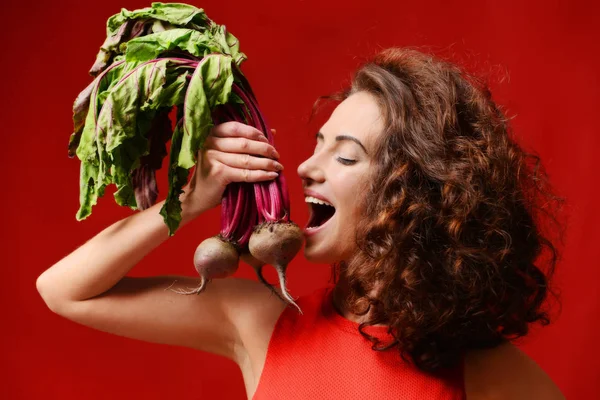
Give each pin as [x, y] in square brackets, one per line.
[214, 258]
[277, 244]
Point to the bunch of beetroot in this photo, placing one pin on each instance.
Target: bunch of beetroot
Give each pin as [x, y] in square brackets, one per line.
[154, 60]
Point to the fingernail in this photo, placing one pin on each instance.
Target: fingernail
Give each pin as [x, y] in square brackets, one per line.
[279, 167]
[275, 154]
[263, 138]
[273, 174]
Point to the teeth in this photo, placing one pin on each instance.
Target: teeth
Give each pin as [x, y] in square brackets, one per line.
[310, 199]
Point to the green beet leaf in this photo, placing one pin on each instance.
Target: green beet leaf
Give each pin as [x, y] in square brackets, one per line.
[153, 59]
[228, 42]
[171, 209]
[151, 46]
[87, 149]
[198, 44]
[122, 127]
[173, 13]
[210, 86]
[127, 25]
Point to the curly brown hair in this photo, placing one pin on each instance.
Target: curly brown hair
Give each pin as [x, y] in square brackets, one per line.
[451, 245]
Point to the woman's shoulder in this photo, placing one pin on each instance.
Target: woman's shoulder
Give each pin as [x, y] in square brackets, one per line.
[505, 372]
[264, 310]
[259, 310]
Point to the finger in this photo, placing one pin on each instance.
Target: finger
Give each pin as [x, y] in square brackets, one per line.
[237, 129]
[251, 175]
[239, 145]
[246, 161]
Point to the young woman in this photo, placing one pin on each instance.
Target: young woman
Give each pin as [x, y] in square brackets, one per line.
[430, 220]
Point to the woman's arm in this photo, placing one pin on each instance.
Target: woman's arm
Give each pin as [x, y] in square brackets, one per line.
[505, 372]
[104, 260]
[89, 285]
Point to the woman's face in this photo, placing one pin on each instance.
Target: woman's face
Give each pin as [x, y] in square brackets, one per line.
[337, 173]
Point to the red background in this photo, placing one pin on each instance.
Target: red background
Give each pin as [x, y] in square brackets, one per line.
[547, 51]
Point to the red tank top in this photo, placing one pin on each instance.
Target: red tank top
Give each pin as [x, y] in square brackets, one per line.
[321, 355]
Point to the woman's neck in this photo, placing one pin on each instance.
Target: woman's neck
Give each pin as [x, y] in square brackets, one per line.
[341, 292]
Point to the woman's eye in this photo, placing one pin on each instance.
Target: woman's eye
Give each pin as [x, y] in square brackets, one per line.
[346, 161]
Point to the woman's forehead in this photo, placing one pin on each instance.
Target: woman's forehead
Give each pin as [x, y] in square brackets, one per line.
[358, 115]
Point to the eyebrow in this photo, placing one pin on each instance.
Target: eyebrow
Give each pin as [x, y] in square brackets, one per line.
[340, 138]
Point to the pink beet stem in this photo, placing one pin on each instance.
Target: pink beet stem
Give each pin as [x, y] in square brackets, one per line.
[226, 211]
[240, 210]
[235, 219]
[263, 122]
[248, 218]
[260, 203]
[268, 211]
[253, 112]
[284, 194]
[243, 199]
[245, 113]
[275, 199]
[233, 114]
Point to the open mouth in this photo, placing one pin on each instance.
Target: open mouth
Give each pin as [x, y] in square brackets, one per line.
[319, 215]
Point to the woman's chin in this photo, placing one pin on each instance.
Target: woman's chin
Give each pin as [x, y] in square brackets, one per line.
[326, 249]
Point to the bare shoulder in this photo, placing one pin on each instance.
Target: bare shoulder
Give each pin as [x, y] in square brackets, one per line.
[254, 316]
[505, 372]
[253, 311]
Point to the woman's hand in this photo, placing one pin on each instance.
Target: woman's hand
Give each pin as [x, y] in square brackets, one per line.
[233, 152]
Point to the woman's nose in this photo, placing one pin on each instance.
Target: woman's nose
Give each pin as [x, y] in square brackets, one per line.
[309, 170]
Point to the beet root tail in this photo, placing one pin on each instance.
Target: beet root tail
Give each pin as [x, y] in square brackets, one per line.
[198, 290]
[282, 285]
[262, 280]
